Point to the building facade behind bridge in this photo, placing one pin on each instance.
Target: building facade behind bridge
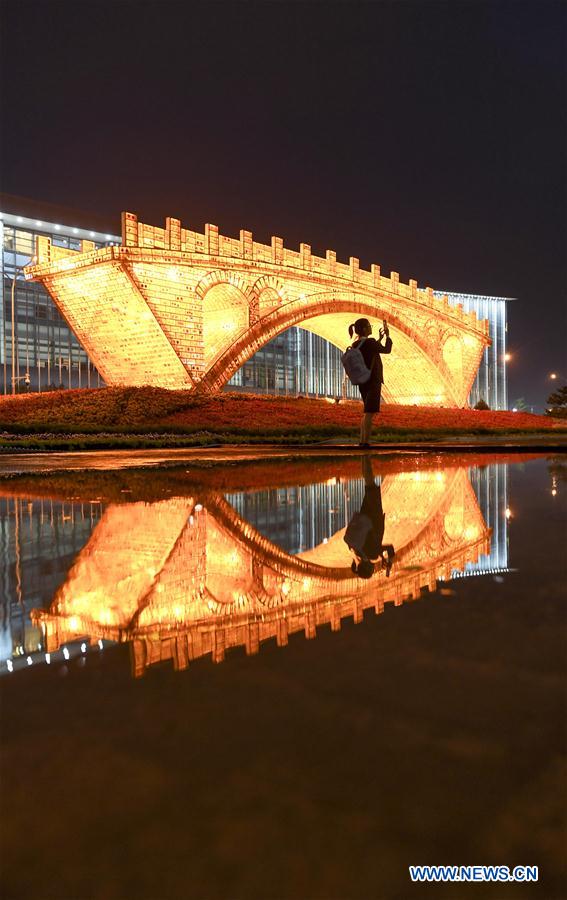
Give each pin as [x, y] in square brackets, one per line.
[47, 354]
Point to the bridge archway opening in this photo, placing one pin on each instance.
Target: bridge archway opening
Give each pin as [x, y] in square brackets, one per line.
[453, 358]
[225, 316]
[413, 374]
[410, 376]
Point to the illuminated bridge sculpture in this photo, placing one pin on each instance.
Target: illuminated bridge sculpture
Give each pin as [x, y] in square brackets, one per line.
[187, 576]
[176, 309]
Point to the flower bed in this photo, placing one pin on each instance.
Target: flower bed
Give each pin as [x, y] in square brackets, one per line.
[143, 410]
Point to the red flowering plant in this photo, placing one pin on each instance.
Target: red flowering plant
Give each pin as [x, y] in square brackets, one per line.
[156, 411]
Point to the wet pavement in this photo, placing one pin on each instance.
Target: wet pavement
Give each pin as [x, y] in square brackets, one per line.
[202, 698]
[52, 461]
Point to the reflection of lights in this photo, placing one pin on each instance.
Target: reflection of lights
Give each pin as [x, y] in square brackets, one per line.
[10, 665]
[48, 658]
[196, 593]
[83, 648]
[100, 644]
[198, 507]
[65, 653]
[29, 661]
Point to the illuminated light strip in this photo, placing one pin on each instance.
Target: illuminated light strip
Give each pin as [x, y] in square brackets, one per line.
[11, 219]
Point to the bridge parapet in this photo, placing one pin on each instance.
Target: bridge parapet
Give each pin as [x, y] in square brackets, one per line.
[173, 237]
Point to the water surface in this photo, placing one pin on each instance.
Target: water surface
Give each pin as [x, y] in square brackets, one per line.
[349, 730]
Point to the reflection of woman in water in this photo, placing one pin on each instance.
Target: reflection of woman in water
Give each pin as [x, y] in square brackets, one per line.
[365, 531]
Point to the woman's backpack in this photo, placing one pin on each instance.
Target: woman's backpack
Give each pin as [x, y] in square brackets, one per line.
[357, 532]
[353, 363]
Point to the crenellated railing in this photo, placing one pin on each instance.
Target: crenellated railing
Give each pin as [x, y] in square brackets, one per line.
[173, 238]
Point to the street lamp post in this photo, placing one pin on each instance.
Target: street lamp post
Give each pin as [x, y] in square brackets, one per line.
[14, 279]
[14, 331]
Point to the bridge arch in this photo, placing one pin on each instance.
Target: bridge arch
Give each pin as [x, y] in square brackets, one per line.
[225, 305]
[452, 350]
[223, 277]
[410, 369]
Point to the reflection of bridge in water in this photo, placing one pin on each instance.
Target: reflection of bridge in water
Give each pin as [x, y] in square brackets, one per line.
[189, 576]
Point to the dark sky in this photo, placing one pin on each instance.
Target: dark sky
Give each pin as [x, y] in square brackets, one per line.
[428, 137]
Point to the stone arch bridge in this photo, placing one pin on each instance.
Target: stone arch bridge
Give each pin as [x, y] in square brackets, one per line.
[176, 309]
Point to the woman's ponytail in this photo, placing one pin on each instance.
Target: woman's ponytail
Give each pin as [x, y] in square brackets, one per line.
[351, 330]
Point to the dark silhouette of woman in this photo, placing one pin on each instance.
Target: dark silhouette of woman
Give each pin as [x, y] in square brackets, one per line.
[371, 389]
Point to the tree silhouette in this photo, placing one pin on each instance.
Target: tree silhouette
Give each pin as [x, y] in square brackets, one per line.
[557, 402]
[520, 404]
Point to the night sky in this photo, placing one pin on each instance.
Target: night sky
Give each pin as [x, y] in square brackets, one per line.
[427, 137]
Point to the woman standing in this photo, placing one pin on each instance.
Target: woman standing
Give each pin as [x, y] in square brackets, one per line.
[371, 389]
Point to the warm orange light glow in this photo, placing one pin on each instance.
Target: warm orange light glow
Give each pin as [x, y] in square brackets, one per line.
[507, 357]
[178, 309]
[183, 589]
